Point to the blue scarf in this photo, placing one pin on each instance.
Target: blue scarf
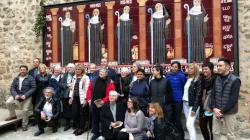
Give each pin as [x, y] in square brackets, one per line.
[151, 128]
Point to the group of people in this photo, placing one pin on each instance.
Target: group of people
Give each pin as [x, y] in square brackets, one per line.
[131, 106]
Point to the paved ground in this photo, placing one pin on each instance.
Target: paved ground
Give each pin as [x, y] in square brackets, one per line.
[8, 134]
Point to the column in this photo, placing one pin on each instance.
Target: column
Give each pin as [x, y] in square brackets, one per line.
[54, 35]
[110, 29]
[81, 32]
[178, 28]
[217, 30]
[142, 29]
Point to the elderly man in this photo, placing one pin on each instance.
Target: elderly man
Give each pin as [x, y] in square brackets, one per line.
[111, 113]
[65, 85]
[22, 88]
[92, 69]
[99, 88]
[49, 109]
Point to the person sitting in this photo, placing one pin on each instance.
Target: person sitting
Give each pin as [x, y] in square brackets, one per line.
[158, 129]
[112, 113]
[134, 121]
[22, 89]
[49, 109]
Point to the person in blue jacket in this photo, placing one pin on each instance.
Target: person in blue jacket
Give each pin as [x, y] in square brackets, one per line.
[178, 81]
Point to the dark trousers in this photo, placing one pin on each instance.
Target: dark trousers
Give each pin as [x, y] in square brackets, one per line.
[79, 113]
[115, 133]
[167, 110]
[176, 116]
[42, 123]
[96, 119]
[204, 121]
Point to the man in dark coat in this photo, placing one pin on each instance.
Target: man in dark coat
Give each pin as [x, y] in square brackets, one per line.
[112, 113]
[22, 88]
[49, 109]
[160, 90]
[65, 85]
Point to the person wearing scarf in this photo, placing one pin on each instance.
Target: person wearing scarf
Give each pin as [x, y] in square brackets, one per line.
[48, 110]
[178, 80]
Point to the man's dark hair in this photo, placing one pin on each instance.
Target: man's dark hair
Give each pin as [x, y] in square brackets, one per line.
[24, 66]
[37, 59]
[210, 65]
[135, 103]
[105, 58]
[159, 68]
[178, 64]
[225, 60]
[141, 70]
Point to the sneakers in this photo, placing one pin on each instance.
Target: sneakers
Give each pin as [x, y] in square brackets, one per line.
[39, 132]
[10, 118]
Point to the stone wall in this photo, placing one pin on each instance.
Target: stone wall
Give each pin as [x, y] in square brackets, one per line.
[18, 45]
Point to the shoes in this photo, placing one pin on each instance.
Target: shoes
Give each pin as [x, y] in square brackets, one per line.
[54, 130]
[79, 132]
[94, 137]
[39, 132]
[67, 127]
[10, 118]
[75, 131]
[25, 128]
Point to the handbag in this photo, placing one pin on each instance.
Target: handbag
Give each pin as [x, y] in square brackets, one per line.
[173, 131]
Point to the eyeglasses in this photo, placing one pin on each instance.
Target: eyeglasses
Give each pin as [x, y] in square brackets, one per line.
[129, 101]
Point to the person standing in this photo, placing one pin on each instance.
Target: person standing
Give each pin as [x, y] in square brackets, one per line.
[65, 84]
[99, 89]
[48, 111]
[55, 81]
[206, 115]
[192, 98]
[178, 80]
[22, 88]
[112, 113]
[123, 88]
[80, 107]
[160, 90]
[140, 89]
[92, 70]
[225, 99]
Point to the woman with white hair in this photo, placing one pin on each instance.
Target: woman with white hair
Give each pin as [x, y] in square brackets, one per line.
[65, 84]
[55, 80]
[123, 87]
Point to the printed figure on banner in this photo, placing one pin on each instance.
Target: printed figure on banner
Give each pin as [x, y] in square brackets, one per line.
[199, 28]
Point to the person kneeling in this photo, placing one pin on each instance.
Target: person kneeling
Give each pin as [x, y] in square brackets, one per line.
[49, 109]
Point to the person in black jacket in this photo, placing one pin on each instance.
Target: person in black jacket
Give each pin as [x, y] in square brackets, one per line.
[54, 81]
[225, 99]
[48, 111]
[64, 85]
[123, 87]
[158, 128]
[112, 113]
[192, 99]
[22, 88]
[207, 82]
[160, 90]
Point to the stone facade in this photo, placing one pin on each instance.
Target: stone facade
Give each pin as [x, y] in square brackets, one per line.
[19, 45]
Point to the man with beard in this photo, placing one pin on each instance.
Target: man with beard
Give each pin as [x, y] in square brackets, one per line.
[96, 37]
[22, 88]
[161, 32]
[198, 30]
[126, 34]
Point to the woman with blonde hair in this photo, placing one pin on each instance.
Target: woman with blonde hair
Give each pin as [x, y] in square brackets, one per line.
[158, 128]
[192, 98]
[80, 107]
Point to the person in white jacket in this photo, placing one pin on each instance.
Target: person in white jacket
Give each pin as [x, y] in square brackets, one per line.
[80, 107]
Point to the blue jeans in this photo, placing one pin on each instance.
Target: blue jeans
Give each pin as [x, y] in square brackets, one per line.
[176, 116]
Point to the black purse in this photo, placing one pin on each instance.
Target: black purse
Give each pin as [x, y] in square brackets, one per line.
[174, 133]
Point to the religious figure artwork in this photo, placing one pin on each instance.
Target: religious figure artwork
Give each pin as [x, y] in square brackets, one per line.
[196, 27]
[67, 39]
[135, 52]
[159, 32]
[125, 33]
[95, 36]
